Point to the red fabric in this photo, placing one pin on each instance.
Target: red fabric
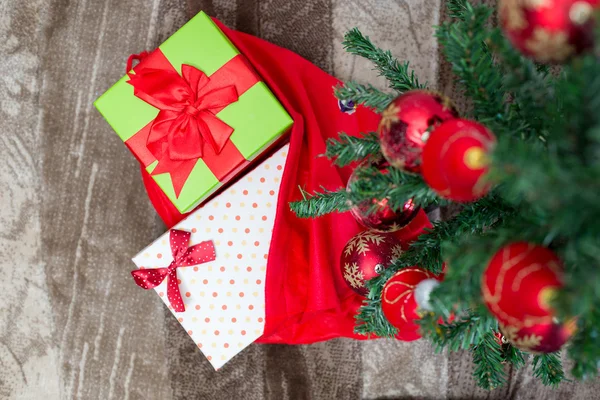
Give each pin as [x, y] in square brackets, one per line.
[188, 105]
[307, 299]
[184, 255]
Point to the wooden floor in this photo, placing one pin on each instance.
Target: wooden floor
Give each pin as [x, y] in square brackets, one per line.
[72, 323]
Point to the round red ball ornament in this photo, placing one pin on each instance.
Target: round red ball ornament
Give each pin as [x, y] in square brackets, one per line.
[383, 218]
[549, 30]
[517, 287]
[400, 300]
[367, 255]
[455, 160]
[540, 338]
[406, 123]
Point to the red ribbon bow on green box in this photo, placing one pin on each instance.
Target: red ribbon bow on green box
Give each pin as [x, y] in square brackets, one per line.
[194, 112]
[187, 104]
[187, 112]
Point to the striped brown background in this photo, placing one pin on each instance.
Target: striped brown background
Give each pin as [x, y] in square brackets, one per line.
[72, 324]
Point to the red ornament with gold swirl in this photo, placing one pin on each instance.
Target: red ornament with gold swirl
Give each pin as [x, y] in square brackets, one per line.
[518, 285]
[549, 30]
[400, 300]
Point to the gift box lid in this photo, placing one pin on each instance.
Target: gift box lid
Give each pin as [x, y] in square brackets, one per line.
[257, 117]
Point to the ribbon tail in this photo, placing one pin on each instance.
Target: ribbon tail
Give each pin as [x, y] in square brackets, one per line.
[173, 293]
[149, 278]
[178, 170]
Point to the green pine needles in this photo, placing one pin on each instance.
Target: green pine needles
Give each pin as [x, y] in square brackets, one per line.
[547, 166]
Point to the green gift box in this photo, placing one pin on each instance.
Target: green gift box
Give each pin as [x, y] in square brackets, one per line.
[194, 113]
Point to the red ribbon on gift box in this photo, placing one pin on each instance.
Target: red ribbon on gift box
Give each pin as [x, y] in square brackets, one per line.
[184, 255]
[188, 104]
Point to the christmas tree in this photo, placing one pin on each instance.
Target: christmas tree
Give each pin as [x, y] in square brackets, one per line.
[517, 268]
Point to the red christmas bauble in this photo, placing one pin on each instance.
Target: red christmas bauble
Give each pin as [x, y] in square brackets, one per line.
[517, 286]
[399, 303]
[540, 338]
[406, 123]
[455, 160]
[365, 256]
[383, 218]
[549, 30]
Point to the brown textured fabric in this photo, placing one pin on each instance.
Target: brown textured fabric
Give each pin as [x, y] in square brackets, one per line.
[72, 323]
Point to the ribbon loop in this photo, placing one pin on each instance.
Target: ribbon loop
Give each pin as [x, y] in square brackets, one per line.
[183, 256]
[135, 57]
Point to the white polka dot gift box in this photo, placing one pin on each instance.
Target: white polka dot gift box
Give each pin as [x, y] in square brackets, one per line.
[210, 268]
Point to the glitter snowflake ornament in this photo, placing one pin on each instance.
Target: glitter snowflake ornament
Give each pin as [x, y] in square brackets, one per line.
[365, 256]
[549, 31]
[406, 124]
[376, 213]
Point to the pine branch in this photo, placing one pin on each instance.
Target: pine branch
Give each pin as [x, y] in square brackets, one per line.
[397, 186]
[320, 203]
[513, 355]
[584, 349]
[458, 334]
[426, 251]
[579, 88]
[548, 368]
[366, 95]
[487, 356]
[464, 44]
[371, 321]
[399, 76]
[529, 86]
[457, 9]
[347, 149]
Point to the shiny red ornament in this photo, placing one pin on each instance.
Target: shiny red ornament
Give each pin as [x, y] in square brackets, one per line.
[406, 123]
[367, 255]
[540, 338]
[549, 30]
[517, 286]
[383, 218]
[399, 303]
[455, 160]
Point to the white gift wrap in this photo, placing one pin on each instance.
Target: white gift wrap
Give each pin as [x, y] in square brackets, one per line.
[225, 299]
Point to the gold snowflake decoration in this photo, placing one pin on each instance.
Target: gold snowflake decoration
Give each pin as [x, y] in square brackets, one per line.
[511, 11]
[360, 242]
[397, 252]
[527, 342]
[353, 275]
[535, 4]
[389, 116]
[549, 46]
